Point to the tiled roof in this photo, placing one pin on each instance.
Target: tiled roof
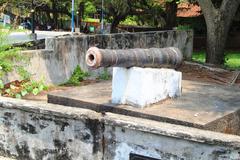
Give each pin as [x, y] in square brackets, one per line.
[188, 10]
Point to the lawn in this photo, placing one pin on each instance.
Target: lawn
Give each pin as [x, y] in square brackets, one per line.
[232, 59]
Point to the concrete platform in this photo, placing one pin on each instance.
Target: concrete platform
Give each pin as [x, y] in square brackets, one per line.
[202, 105]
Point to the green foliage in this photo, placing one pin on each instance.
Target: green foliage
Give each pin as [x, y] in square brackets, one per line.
[130, 20]
[34, 87]
[104, 75]
[154, 15]
[77, 76]
[9, 56]
[24, 88]
[232, 60]
[90, 8]
[1, 84]
[134, 12]
[120, 7]
[23, 73]
[10, 60]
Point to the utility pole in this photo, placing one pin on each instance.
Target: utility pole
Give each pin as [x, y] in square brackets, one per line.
[102, 18]
[72, 16]
[33, 35]
[77, 29]
[77, 19]
[33, 17]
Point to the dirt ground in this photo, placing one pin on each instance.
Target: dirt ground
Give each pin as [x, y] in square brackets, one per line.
[191, 71]
[202, 73]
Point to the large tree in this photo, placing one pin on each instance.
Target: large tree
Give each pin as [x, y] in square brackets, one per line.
[117, 11]
[218, 17]
[171, 13]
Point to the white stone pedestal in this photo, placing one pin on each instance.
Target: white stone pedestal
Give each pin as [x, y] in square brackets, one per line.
[141, 87]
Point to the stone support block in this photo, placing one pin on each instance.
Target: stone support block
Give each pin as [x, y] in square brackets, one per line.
[141, 87]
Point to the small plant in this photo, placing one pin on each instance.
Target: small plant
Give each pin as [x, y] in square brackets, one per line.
[9, 56]
[1, 86]
[19, 89]
[104, 75]
[12, 60]
[34, 87]
[77, 76]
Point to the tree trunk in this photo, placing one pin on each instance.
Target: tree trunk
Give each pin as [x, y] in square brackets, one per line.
[218, 22]
[49, 19]
[55, 14]
[81, 9]
[171, 14]
[114, 24]
[216, 40]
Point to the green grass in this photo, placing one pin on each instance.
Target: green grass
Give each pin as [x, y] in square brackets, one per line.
[232, 59]
[199, 56]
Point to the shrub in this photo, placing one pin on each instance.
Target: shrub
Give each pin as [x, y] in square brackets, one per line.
[9, 56]
[77, 76]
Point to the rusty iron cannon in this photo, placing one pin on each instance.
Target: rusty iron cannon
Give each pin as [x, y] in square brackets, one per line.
[140, 77]
[169, 57]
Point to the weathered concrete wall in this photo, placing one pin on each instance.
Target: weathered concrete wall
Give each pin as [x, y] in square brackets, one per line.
[31, 45]
[62, 54]
[30, 130]
[42, 64]
[164, 141]
[75, 47]
[36, 131]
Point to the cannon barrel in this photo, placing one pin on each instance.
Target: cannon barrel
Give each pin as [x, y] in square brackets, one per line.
[170, 57]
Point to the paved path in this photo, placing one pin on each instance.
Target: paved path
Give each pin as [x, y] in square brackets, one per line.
[16, 37]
